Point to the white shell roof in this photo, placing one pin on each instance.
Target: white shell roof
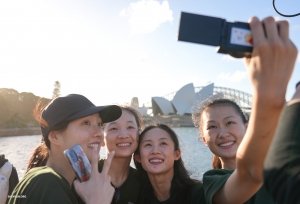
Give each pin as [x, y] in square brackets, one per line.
[182, 101]
[163, 104]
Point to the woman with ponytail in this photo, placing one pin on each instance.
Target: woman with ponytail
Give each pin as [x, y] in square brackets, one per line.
[242, 146]
[65, 122]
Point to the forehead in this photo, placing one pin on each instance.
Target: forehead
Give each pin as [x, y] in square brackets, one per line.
[156, 134]
[126, 116]
[219, 112]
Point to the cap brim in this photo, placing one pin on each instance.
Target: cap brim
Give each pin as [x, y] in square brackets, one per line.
[107, 113]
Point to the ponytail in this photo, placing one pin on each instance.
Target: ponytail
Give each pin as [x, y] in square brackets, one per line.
[39, 157]
[216, 162]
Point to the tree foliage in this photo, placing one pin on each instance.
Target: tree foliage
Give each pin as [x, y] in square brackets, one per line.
[56, 90]
[16, 109]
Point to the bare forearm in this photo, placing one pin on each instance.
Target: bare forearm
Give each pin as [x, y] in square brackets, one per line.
[261, 129]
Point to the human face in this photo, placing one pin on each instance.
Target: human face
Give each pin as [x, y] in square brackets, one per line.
[121, 135]
[86, 131]
[157, 152]
[223, 130]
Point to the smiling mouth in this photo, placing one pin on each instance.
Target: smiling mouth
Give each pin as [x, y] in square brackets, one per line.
[123, 144]
[226, 144]
[156, 160]
[94, 145]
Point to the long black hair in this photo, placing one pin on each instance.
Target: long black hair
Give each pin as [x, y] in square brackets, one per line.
[181, 181]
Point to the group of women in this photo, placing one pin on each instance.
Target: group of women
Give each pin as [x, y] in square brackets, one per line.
[239, 146]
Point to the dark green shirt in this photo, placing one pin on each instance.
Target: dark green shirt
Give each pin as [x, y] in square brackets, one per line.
[195, 196]
[43, 185]
[130, 190]
[214, 179]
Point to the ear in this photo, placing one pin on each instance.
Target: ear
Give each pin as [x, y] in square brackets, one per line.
[204, 141]
[54, 138]
[177, 154]
[137, 158]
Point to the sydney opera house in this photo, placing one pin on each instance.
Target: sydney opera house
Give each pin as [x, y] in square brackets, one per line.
[176, 108]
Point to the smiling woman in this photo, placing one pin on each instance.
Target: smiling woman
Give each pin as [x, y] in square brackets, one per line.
[165, 178]
[66, 121]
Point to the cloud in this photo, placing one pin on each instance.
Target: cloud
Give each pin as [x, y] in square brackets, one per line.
[299, 57]
[235, 77]
[296, 27]
[145, 16]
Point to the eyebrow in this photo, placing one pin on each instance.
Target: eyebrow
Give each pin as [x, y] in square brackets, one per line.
[113, 123]
[223, 119]
[163, 138]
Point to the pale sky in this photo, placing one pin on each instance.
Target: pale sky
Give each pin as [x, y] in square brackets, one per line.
[111, 51]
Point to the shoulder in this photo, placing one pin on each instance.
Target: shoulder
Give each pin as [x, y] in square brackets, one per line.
[196, 194]
[42, 185]
[213, 180]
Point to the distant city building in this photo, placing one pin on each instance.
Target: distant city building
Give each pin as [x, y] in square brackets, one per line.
[180, 103]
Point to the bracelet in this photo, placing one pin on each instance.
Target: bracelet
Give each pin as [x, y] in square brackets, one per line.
[297, 84]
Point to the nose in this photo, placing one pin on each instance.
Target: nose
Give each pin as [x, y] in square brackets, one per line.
[223, 132]
[155, 150]
[123, 134]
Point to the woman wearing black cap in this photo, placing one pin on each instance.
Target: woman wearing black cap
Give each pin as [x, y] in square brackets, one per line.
[67, 121]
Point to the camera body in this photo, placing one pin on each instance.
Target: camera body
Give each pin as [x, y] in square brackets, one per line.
[79, 162]
[230, 38]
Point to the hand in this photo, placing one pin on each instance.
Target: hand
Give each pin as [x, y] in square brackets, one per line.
[98, 188]
[273, 59]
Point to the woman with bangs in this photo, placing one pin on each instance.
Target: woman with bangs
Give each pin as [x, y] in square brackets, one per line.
[121, 137]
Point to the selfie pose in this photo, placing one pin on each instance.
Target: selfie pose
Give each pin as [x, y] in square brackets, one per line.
[67, 121]
[165, 178]
[240, 147]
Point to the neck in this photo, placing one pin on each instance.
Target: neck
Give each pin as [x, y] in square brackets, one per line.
[229, 164]
[161, 184]
[119, 170]
[60, 165]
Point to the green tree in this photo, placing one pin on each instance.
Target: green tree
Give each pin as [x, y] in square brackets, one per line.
[56, 90]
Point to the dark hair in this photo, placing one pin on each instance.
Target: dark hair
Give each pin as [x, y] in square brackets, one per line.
[197, 118]
[181, 180]
[40, 154]
[137, 115]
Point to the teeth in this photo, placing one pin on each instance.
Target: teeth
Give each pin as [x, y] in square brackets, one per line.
[226, 144]
[156, 160]
[93, 145]
[123, 144]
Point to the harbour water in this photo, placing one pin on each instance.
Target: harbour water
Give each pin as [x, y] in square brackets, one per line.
[195, 154]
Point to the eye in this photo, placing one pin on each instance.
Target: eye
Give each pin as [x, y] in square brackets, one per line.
[101, 125]
[87, 123]
[147, 145]
[229, 123]
[131, 127]
[163, 143]
[211, 127]
[112, 129]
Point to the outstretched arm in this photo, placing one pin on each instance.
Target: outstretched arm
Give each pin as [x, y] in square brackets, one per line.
[282, 165]
[270, 69]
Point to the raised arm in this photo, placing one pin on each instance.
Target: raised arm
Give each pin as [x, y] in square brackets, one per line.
[270, 69]
[282, 165]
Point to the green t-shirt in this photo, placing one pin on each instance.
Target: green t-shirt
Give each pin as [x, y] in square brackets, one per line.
[130, 189]
[195, 196]
[214, 179]
[42, 185]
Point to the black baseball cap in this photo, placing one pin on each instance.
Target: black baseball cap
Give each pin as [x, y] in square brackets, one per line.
[74, 106]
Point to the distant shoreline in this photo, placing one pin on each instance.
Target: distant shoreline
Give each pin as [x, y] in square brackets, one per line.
[20, 131]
